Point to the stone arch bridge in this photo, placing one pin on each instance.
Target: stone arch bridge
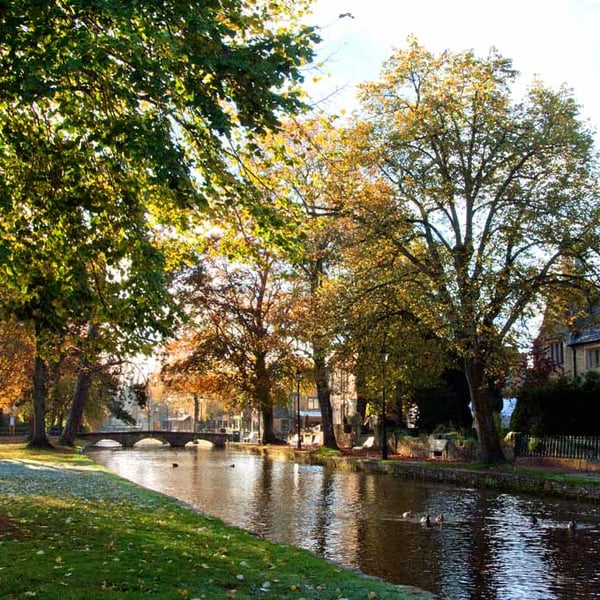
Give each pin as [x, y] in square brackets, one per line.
[177, 439]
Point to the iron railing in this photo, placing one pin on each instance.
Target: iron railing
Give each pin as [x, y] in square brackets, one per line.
[560, 446]
[19, 430]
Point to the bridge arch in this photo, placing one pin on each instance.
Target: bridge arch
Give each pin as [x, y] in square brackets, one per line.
[176, 439]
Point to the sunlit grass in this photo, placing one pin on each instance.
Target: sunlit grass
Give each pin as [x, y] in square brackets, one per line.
[60, 455]
[71, 530]
[323, 451]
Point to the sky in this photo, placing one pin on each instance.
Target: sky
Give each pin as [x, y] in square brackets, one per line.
[556, 40]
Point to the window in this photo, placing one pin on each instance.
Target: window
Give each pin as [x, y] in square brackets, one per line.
[592, 358]
[313, 403]
[556, 353]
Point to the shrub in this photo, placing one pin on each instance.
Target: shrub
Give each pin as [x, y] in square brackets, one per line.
[559, 406]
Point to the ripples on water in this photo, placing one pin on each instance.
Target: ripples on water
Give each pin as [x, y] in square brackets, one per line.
[486, 548]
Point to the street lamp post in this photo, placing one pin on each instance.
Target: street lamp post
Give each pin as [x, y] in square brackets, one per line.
[149, 414]
[384, 358]
[196, 411]
[298, 377]
[201, 412]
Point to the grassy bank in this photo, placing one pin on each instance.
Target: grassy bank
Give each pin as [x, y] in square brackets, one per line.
[71, 530]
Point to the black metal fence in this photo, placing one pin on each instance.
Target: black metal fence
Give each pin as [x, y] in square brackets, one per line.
[19, 430]
[561, 446]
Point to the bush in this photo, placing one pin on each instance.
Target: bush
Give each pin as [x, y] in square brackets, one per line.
[444, 405]
[559, 407]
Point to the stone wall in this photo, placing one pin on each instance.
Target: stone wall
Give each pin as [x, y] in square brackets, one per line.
[560, 464]
[422, 448]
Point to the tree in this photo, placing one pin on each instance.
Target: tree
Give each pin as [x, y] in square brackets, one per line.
[342, 313]
[487, 196]
[444, 402]
[187, 372]
[239, 306]
[73, 381]
[16, 353]
[113, 119]
[85, 354]
[300, 171]
[559, 406]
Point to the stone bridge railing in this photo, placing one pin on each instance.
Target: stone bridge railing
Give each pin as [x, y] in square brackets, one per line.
[177, 439]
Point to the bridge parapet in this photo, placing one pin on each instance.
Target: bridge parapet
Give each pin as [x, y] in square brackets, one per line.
[176, 439]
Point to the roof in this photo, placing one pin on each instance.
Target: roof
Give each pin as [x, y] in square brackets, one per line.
[589, 335]
[179, 419]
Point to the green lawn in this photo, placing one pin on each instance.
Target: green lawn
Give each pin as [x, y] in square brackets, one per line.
[69, 530]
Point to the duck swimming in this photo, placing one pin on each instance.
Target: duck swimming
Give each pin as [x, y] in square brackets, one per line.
[426, 520]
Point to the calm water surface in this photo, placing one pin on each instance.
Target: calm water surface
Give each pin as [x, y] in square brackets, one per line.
[486, 548]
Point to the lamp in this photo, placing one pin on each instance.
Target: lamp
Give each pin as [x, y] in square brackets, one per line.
[149, 413]
[202, 413]
[298, 378]
[383, 356]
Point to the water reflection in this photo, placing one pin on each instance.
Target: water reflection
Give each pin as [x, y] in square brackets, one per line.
[486, 548]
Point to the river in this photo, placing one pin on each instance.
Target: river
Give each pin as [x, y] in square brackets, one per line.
[486, 548]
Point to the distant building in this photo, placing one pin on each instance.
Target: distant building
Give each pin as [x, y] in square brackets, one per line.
[343, 396]
[180, 423]
[570, 351]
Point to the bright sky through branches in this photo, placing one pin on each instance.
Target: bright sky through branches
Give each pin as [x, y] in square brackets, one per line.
[557, 40]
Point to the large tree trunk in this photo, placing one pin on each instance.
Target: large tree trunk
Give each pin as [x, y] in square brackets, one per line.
[265, 399]
[39, 439]
[324, 396]
[320, 349]
[80, 395]
[84, 381]
[268, 436]
[490, 449]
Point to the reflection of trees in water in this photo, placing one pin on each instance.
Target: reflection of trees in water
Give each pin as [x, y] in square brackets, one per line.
[286, 506]
[574, 555]
[323, 514]
[509, 542]
[336, 520]
[394, 547]
[486, 549]
[478, 576]
[458, 544]
[263, 493]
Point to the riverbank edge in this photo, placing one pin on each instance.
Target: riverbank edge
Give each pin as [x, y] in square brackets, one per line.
[61, 458]
[522, 479]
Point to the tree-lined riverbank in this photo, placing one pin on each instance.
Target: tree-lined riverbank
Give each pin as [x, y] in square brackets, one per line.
[70, 530]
